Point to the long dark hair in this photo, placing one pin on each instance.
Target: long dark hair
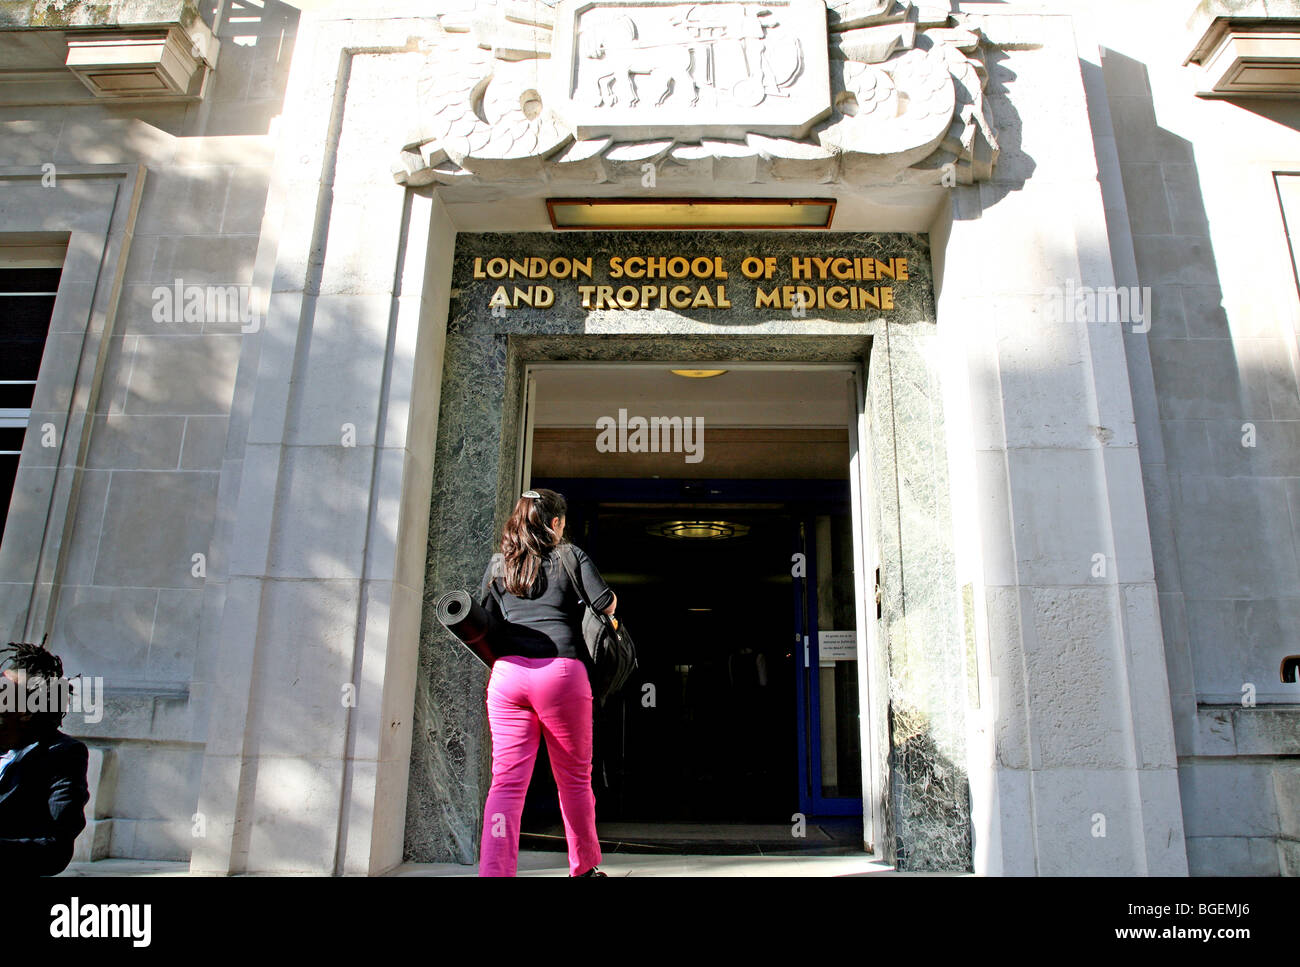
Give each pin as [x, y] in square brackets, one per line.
[527, 537]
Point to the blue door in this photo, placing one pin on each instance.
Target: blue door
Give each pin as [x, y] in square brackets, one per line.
[826, 669]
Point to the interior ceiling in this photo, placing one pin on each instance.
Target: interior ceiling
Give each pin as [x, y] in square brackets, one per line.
[577, 397]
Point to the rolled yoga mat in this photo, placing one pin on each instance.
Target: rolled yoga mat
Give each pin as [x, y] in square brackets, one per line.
[465, 618]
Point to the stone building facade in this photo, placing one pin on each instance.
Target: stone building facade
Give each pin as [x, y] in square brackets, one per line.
[275, 415]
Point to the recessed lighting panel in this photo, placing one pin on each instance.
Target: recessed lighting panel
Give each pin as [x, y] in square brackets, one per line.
[692, 213]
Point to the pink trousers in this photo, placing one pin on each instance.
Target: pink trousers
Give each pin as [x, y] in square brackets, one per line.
[527, 698]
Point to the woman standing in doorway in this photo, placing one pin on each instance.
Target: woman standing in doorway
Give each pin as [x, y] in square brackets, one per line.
[539, 685]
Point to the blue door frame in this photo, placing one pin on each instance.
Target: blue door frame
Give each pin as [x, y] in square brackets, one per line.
[804, 498]
[808, 682]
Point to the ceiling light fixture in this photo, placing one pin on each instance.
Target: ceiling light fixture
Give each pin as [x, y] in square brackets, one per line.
[668, 213]
[698, 529]
[698, 373]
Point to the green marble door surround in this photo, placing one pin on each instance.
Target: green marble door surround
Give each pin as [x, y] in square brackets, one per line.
[920, 680]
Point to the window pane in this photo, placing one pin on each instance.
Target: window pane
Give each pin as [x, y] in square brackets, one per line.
[8, 468]
[16, 396]
[29, 280]
[1288, 193]
[11, 439]
[26, 306]
[24, 323]
[837, 612]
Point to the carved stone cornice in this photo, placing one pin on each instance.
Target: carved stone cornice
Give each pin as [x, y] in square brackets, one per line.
[864, 92]
[121, 50]
[1246, 48]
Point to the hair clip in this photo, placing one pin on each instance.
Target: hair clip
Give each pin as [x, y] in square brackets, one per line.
[533, 493]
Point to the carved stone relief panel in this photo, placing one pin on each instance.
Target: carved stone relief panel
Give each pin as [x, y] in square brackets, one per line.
[854, 92]
[691, 69]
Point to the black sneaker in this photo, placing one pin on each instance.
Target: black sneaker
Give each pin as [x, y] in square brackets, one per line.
[593, 872]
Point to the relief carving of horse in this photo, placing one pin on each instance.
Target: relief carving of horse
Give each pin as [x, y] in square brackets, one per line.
[667, 68]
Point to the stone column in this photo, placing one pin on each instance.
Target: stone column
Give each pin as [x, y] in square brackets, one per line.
[327, 483]
[1074, 732]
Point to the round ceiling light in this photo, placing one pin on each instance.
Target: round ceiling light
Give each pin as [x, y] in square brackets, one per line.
[711, 530]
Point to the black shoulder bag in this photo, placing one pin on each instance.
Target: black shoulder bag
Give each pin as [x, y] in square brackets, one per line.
[610, 651]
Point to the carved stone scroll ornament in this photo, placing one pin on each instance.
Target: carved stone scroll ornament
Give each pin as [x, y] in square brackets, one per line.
[880, 93]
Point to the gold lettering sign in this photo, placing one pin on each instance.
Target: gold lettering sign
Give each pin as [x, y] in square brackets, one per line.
[848, 283]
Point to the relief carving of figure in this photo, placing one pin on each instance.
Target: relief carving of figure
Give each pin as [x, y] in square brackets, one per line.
[719, 48]
[667, 67]
[753, 40]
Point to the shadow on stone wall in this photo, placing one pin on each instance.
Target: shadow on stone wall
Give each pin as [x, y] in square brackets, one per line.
[1015, 166]
[244, 94]
[1215, 398]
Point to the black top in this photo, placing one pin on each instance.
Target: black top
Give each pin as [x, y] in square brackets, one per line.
[43, 796]
[548, 623]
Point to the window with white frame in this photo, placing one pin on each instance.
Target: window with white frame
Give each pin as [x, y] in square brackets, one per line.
[29, 281]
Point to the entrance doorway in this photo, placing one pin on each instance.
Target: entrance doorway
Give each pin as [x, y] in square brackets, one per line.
[739, 577]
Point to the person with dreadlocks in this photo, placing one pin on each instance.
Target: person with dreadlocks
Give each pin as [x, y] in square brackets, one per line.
[539, 683]
[43, 791]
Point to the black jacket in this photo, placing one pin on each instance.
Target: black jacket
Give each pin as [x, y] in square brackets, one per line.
[548, 624]
[43, 796]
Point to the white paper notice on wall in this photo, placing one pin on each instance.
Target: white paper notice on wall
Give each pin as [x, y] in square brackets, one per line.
[837, 646]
